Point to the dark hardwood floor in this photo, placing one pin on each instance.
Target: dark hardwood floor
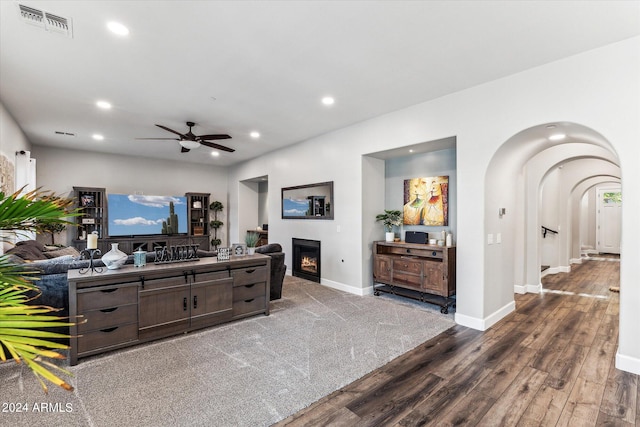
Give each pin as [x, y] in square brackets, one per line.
[549, 363]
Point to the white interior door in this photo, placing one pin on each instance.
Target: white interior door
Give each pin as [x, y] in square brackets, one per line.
[608, 220]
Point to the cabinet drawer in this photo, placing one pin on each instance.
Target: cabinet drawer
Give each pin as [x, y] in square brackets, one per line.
[246, 276]
[212, 275]
[407, 265]
[107, 337]
[106, 297]
[246, 292]
[406, 279]
[248, 306]
[107, 317]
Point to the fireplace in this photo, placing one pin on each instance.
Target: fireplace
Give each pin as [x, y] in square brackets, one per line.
[306, 259]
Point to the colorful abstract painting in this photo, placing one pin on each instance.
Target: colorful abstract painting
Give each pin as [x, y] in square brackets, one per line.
[426, 201]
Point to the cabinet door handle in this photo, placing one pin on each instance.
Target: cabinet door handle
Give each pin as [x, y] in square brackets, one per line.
[108, 290]
[184, 304]
[250, 286]
[251, 270]
[109, 329]
[109, 310]
[195, 301]
[249, 300]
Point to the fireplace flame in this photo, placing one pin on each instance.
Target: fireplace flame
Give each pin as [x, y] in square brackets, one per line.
[309, 264]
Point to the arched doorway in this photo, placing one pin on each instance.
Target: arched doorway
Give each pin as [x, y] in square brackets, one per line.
[512, 213]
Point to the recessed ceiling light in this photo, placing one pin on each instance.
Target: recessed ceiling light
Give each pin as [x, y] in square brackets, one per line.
[97, 137]
[328, 100]
[104, 105]
[215, 153]
[551, 126]
[117, 28]
[411, 151]
[557, 137]
[255, 134]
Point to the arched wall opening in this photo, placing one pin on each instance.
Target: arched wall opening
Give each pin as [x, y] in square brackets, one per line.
[582, 205]
[512, 201]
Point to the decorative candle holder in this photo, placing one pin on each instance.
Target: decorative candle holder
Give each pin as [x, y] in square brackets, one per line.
[91, 254]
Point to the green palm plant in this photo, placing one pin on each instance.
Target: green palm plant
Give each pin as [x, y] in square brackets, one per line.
[21, 323]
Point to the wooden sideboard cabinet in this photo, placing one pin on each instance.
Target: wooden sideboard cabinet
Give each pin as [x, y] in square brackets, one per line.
[427, 272]
[132, 305]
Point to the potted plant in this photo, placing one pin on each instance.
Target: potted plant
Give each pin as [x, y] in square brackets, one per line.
[23, 334]
[216, 207]
[251, 239]
[390, 218]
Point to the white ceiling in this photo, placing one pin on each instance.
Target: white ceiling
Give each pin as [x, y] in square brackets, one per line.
[233, 67]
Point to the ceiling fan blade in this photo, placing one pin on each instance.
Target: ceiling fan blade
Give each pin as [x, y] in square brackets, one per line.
[184, 150]
[172, 139]
[216, 146]
[205, 137]
[172, 131]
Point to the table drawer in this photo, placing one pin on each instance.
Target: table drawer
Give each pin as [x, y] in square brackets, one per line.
[246, 276]
[248, 306]
[107, 317]
[106, 297]
[406, 279]
[107, 337]
[246, 292]
[407, 265]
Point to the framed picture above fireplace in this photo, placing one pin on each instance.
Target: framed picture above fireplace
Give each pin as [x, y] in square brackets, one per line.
[312, 201]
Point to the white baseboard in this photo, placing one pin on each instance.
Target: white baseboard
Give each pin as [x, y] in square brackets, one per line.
[487, 322]
[575, 261]
[341, 286]
[346, 288]
[523, 289]
[628, 363]
[556, 270]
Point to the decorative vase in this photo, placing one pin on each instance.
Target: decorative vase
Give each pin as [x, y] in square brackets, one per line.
[389, 235]
[251, 251]
[115, 258]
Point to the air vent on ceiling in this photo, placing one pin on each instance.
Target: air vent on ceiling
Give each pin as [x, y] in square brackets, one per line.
[46, 20]
[58, 132]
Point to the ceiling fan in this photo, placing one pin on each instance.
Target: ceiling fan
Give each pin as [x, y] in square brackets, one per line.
[189, 140]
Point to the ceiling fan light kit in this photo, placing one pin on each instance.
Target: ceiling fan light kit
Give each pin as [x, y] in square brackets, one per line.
[190, 145]
[188, 141]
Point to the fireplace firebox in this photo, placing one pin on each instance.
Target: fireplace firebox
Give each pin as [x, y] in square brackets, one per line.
[306, 259]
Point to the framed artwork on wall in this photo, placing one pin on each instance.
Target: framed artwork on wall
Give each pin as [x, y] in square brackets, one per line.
[426, 201]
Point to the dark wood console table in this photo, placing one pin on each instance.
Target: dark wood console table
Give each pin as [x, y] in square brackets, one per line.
[423, 272]
[133, 305]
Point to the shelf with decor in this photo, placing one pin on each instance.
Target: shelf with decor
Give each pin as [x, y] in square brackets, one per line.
[93, 204]
[198, 213]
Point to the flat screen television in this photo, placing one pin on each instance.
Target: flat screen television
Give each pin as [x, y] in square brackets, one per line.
[141, 215]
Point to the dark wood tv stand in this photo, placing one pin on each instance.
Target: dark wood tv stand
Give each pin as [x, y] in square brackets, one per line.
[423, 272]
[133, 305]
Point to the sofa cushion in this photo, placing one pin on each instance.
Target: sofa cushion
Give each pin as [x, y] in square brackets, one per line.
[27, 252]
[34, 244]
[62, 252]
[269, 248]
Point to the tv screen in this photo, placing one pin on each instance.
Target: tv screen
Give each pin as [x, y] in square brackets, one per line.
[136, 214]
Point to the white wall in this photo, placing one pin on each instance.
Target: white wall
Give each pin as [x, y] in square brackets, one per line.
[12, 140]
[598, 89]
[435, 163]
[59, 170]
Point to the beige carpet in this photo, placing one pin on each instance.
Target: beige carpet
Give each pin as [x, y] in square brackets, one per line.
[252, 372]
